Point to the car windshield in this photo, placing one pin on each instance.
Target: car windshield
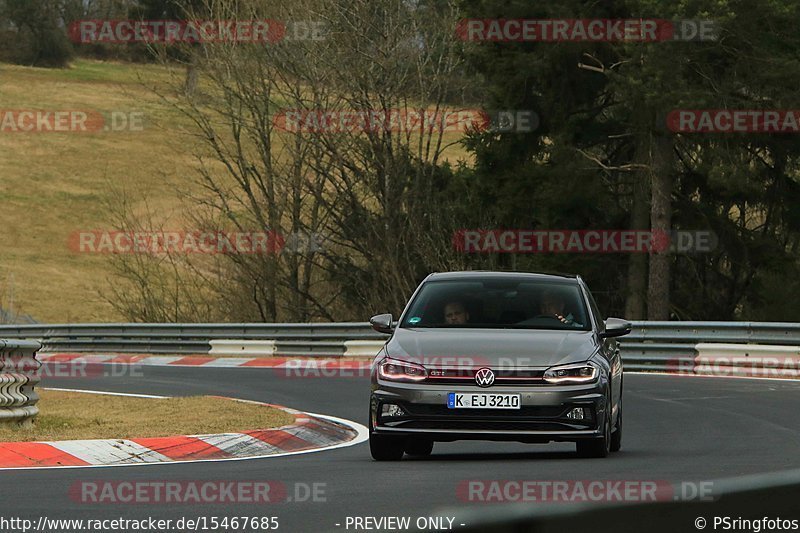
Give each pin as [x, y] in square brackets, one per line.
[493, 303]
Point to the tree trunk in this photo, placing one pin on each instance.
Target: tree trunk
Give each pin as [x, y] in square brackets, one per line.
[190, 85]
[635, 302]
[660, 221]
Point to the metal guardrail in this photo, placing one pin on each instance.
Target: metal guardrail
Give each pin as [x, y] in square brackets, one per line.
[650, 346]
[659, 346]
[18, 377]
[292, 339]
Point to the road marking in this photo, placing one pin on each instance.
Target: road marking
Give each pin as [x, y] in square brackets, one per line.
[108, 393]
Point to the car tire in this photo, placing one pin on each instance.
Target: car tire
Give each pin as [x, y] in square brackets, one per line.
[419, 447]
[599, 447]
[616, 435]
[385, 448]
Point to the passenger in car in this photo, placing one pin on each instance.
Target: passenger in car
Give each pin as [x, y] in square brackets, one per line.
[455, 313]
[553, 304]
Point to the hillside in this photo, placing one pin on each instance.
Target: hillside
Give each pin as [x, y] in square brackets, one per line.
[55, 183]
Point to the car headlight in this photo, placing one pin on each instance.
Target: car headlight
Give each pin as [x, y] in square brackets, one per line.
[578, 373]
[393, 370]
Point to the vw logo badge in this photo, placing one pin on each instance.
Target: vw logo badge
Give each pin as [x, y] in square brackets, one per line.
[484, 377]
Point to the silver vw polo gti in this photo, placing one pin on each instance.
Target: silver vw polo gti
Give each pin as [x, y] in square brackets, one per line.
[497, 356]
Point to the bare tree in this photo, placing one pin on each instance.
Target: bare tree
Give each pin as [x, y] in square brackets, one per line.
[360, 209]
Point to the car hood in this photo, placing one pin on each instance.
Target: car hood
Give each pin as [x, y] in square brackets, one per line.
[507, 347]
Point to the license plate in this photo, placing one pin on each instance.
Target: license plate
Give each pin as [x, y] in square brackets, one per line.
[469, 400]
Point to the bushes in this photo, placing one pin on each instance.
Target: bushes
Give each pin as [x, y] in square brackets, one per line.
[32, 33]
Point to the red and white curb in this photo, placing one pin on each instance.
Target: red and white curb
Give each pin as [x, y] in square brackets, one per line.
[204, 361]
[307, 433]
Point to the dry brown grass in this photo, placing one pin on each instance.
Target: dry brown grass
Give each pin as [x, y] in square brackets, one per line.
[54, 184]
[74, 415]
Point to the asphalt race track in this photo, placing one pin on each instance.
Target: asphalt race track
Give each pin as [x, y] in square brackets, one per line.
[676, 428]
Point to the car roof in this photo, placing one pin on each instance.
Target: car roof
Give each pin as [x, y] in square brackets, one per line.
[484, 274]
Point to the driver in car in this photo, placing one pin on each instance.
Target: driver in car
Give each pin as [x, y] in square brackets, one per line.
[553, 304]
[455, 313]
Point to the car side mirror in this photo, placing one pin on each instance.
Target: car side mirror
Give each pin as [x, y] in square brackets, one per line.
[382, 323]
[616, 327]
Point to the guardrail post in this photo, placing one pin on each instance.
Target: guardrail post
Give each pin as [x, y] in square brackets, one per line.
[18, 378]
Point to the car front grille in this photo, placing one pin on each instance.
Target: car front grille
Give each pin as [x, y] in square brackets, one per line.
[533, 411]
[455, 376]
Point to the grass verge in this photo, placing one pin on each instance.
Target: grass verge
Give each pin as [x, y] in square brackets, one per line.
[75, 415]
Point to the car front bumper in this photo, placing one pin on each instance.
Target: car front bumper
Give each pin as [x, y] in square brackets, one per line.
[541, 418]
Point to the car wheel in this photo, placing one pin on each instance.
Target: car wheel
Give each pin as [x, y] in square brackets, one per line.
[616, 436]
[384, 448]
[419, 447]
[598, 447]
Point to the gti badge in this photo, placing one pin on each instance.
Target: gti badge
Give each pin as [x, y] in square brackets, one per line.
[484, 377]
